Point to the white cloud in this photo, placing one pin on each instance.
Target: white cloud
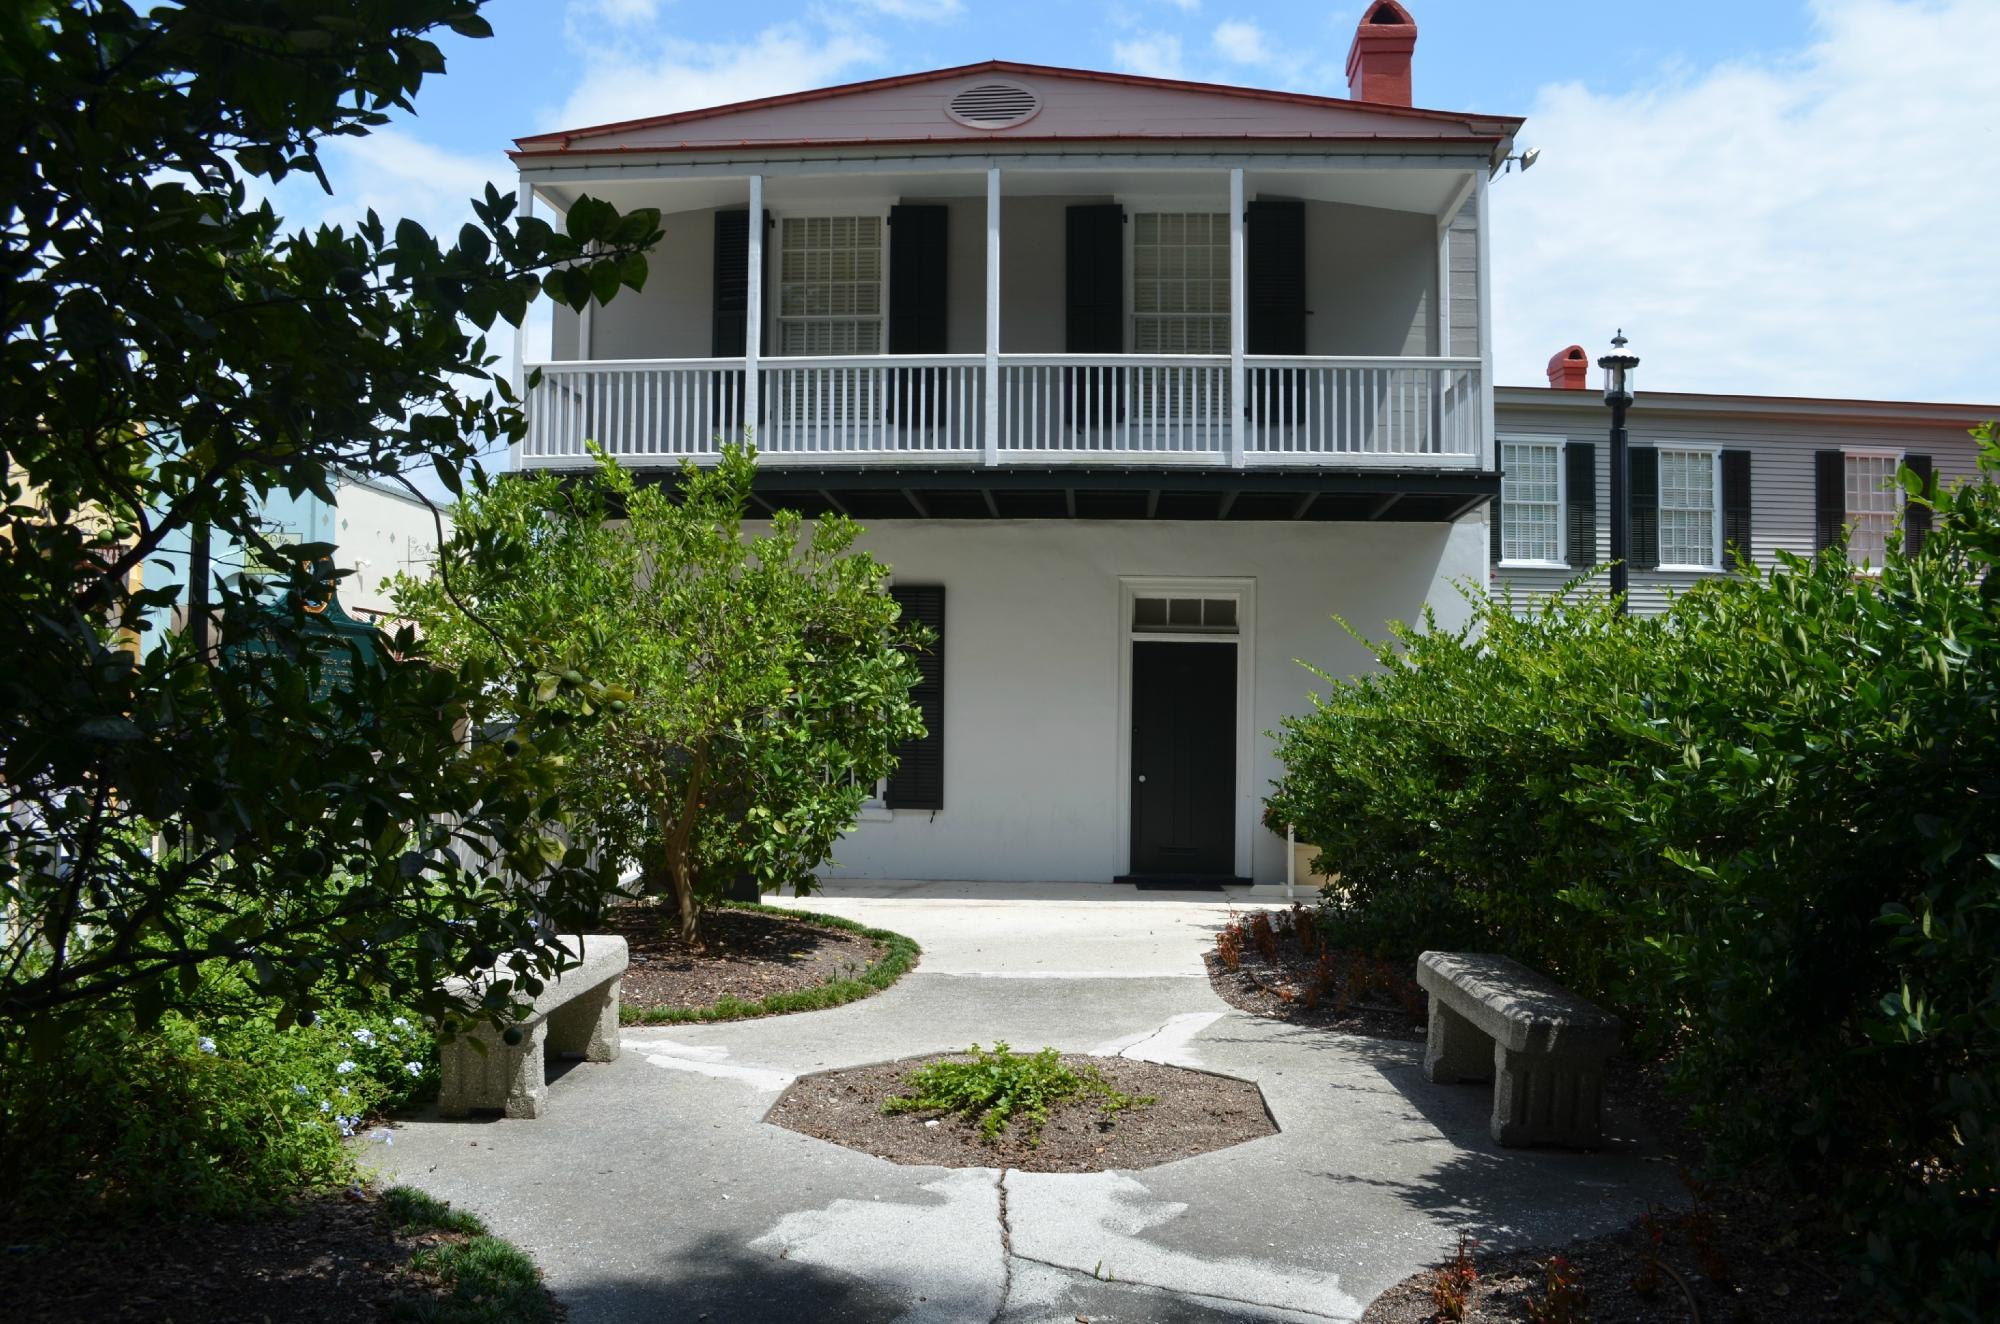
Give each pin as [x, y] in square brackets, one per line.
[1241, 43]
[618, 13]
[1154, 54]
[923, 11]
[398, 174]
[620, 83]
[1819, 225]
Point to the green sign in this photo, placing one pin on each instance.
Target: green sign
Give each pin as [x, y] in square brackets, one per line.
[320, 626]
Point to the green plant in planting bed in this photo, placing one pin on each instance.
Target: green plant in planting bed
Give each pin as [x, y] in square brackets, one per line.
[995, 1086]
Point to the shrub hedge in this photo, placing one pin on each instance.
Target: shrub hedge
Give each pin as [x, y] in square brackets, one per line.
[1765, 826]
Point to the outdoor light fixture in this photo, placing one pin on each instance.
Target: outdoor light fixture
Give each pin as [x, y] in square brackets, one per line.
[1524, 160]
[1620, 367]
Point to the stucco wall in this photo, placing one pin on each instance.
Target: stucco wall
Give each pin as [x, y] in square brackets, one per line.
[1032, 659]
[1371, 280]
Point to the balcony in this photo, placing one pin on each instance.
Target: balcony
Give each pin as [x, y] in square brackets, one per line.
[1024, 409]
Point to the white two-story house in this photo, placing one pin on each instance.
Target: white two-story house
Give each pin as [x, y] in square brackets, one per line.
[1135, 383]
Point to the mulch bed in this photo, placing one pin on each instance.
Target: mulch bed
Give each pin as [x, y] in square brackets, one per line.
[332, 1259]
[746, 955]
[1278, 975]
[1738, 1255]
[1196, 1112]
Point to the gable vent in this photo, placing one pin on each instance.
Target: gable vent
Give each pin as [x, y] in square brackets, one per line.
[994, 106]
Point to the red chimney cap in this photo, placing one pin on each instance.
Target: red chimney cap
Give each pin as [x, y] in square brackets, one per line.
[1569, 369]
[1378, 63]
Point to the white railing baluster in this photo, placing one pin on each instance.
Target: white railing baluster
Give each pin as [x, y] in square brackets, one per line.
[1176, 407]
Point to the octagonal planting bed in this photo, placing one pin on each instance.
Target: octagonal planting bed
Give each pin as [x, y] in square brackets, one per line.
[1190, 1112]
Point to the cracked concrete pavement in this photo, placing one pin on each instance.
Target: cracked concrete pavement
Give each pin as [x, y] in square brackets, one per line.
[653, 1190]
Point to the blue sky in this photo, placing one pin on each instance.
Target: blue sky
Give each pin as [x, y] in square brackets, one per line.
[1770, 197]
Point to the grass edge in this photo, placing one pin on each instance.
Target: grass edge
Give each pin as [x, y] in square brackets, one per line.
[901, 954]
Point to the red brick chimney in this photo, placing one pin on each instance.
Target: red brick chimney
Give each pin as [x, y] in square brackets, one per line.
[1378, 63]
[1569, 370]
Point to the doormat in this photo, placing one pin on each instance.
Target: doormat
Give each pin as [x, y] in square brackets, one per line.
[1180, 882]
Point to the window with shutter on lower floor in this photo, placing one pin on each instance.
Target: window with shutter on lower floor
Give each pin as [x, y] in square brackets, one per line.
[918, 781]
[1874, 499]
[1531, 502]
[1689, 492]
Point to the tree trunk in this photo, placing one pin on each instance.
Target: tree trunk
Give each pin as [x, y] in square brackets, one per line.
[677, 848]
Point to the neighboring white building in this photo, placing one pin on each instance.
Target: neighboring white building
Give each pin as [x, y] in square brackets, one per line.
[1709, 473]
[381, 531]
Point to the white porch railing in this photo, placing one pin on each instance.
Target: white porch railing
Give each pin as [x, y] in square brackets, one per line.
[1064, 408]
[1317, 409]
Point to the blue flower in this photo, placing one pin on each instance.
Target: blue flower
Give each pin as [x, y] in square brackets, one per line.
[414, 1068]
[400, 1023]
[207, 1045]
[300, 1089]
[365, 1037]
[345, 1067]
[325, 1106]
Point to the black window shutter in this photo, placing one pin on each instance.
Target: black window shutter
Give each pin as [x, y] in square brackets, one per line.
[1642, 477]
[1094, 279]
[918, 781]
[1829, 498]
[1917, 518]
[1274, 283]
[1735, 506]
[917, 279]
[731, 296]
[1580, 491]
[1494, 530]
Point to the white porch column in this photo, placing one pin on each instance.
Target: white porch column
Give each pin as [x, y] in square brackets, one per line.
[1239, 334]
[1489, 454]
[991, 423]
[753, 311]
[524, 207]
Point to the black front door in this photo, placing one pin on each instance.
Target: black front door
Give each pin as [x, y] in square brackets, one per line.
[1183, 758]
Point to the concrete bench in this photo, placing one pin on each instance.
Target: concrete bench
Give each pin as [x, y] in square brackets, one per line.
[1543, 1048]
[576, 1014]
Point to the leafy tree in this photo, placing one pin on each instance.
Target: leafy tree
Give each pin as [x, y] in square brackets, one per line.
[1763, 825]
[765, 680]
[170, 356]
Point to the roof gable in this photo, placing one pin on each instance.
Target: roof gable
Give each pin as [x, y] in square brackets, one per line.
[1072, 104]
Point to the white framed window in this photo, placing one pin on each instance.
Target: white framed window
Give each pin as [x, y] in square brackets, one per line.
[1531, 500]
[1180, 282]
[1690, 508]
[831, 277]
[1874, 503]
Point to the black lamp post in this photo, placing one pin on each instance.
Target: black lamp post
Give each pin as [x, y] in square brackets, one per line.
[1619, 367]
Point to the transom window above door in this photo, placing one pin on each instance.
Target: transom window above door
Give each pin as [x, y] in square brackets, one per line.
[1180, 282]
[1175, 615]
[830, 284]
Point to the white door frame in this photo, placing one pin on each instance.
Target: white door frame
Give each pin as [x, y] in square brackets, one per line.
[1244, 591]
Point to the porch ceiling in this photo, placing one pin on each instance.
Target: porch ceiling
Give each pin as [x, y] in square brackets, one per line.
[1241, 495]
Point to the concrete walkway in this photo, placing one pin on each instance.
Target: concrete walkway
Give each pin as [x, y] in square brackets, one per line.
[652, 1190]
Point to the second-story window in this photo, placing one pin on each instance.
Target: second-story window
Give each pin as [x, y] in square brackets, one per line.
[1687, 508]
[830, 285]
[1874, 500]
[1531, 501]
[1180, 282]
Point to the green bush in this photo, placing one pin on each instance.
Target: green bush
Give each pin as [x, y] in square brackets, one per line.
[995, 1086]
[220, 1117]
[1763, 826]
